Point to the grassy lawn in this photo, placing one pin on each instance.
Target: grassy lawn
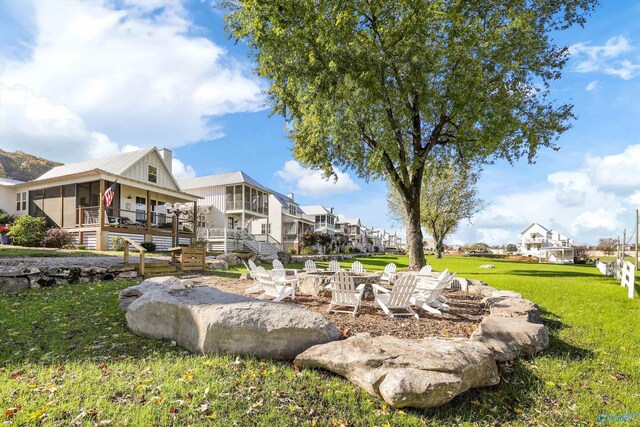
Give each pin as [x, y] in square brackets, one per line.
[11, 251]
[66, 354]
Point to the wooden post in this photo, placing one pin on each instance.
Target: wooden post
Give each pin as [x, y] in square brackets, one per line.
[126, 252]
[624, 243]
[148, 208]
[99, 243]
[194, 237]
[141, 262]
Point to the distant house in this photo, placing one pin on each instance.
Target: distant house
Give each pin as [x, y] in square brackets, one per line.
[354, 231]
[234, 206]
[286, 222]
[542, 243]
[72, 197]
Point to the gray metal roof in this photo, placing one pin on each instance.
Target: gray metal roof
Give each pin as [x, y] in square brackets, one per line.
[221, 179]
[116, 165]
[285, 201]
[9, 181]
[316, 210]
[344, 220]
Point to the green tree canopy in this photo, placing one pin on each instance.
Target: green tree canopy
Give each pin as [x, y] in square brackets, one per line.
[380, 86]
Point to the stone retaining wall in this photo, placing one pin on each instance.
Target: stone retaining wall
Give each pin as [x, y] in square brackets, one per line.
[15, 279]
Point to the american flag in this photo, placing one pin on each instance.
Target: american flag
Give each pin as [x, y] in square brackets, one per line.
[110, 194]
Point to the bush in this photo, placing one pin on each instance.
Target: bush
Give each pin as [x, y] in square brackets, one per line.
[308, 239]
[308, 251]
[81, 247]
[57, 238]
[117, 243]
[5, 218]
[28, 231]
[292, 251]
[149, 246]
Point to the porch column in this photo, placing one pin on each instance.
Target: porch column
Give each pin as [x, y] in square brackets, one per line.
[102, 237]
[195, 222]
[148, 237]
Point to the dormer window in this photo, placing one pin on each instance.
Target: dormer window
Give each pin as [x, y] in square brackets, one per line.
[293, 209]
[153, 174]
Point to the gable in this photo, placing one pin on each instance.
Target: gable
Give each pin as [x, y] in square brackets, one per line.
[140, 171]
[535, 228]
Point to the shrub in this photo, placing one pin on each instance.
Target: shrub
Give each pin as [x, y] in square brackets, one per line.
[308, 251]
[57, 238]
[308, 239]
[28, 231]
[292, 251]
[81, 247]
[149, 246]
[117, 243]
[5, 218]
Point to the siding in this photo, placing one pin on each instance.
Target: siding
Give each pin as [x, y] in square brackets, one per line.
[89, 239]
[163, 242]
[139, 171]
[8, 199]
[138, 238]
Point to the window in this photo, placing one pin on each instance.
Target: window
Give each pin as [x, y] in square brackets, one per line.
[153, 174]
[21, 201]
[265, 228]
[293, 209]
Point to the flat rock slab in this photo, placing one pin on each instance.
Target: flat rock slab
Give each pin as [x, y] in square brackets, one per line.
[208, 321]
[507, 338]
[422, 373]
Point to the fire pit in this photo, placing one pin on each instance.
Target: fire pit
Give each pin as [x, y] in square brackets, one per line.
[315, 283]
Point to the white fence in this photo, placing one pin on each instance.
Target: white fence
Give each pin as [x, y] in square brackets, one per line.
[624, 271]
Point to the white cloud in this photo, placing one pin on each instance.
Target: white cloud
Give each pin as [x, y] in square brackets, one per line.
[182, 171]
[312, 182]
[108, 78]
[36, 125]
[593, 85]
[594, 200]
[603, 58]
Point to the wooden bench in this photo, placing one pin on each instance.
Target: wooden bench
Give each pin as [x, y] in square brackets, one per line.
[188, 257]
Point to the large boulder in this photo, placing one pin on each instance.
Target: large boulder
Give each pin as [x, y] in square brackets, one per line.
[507, 338]
[479, 289]
[216, 264]
[209, 321]
[165, 283]
[516, 308]
[284, 257]
[421, 373]
[230, 259]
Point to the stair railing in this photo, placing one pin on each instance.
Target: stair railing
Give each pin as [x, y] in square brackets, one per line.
[140, 249]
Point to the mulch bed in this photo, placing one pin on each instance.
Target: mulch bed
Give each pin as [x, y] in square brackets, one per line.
[459, 322]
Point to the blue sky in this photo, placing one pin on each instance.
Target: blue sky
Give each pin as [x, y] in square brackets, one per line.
[81, 80]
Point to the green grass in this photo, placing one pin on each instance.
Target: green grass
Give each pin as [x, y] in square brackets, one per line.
[9, 251]
[66, 353]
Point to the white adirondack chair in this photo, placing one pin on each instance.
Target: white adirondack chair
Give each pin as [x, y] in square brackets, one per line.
[425, 271]
[255, 286]
[334, 266]
[428, 294]
[310, 266]
[357, 267]
[398, 298]
[276, 287]
[277, 264]
[389, 274]
[344, 293]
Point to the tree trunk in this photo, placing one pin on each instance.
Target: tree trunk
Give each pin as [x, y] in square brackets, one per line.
[415, 245]
[439, 248]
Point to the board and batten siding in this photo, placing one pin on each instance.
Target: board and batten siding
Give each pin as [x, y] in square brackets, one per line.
[212, 197]
[140, 171]
[8, 199]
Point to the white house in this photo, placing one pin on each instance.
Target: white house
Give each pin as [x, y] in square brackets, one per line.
[286, 222]
[542, 243]
[71, 197]
[354, 231]
[326, 222]
[234, 206]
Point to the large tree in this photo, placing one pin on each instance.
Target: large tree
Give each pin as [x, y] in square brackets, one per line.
[449, 195]
[380, 86]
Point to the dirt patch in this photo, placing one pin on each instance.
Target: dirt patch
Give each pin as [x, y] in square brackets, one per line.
[460, 321]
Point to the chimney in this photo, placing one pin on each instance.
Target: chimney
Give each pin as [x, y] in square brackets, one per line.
[290, 195]
[167, 156]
